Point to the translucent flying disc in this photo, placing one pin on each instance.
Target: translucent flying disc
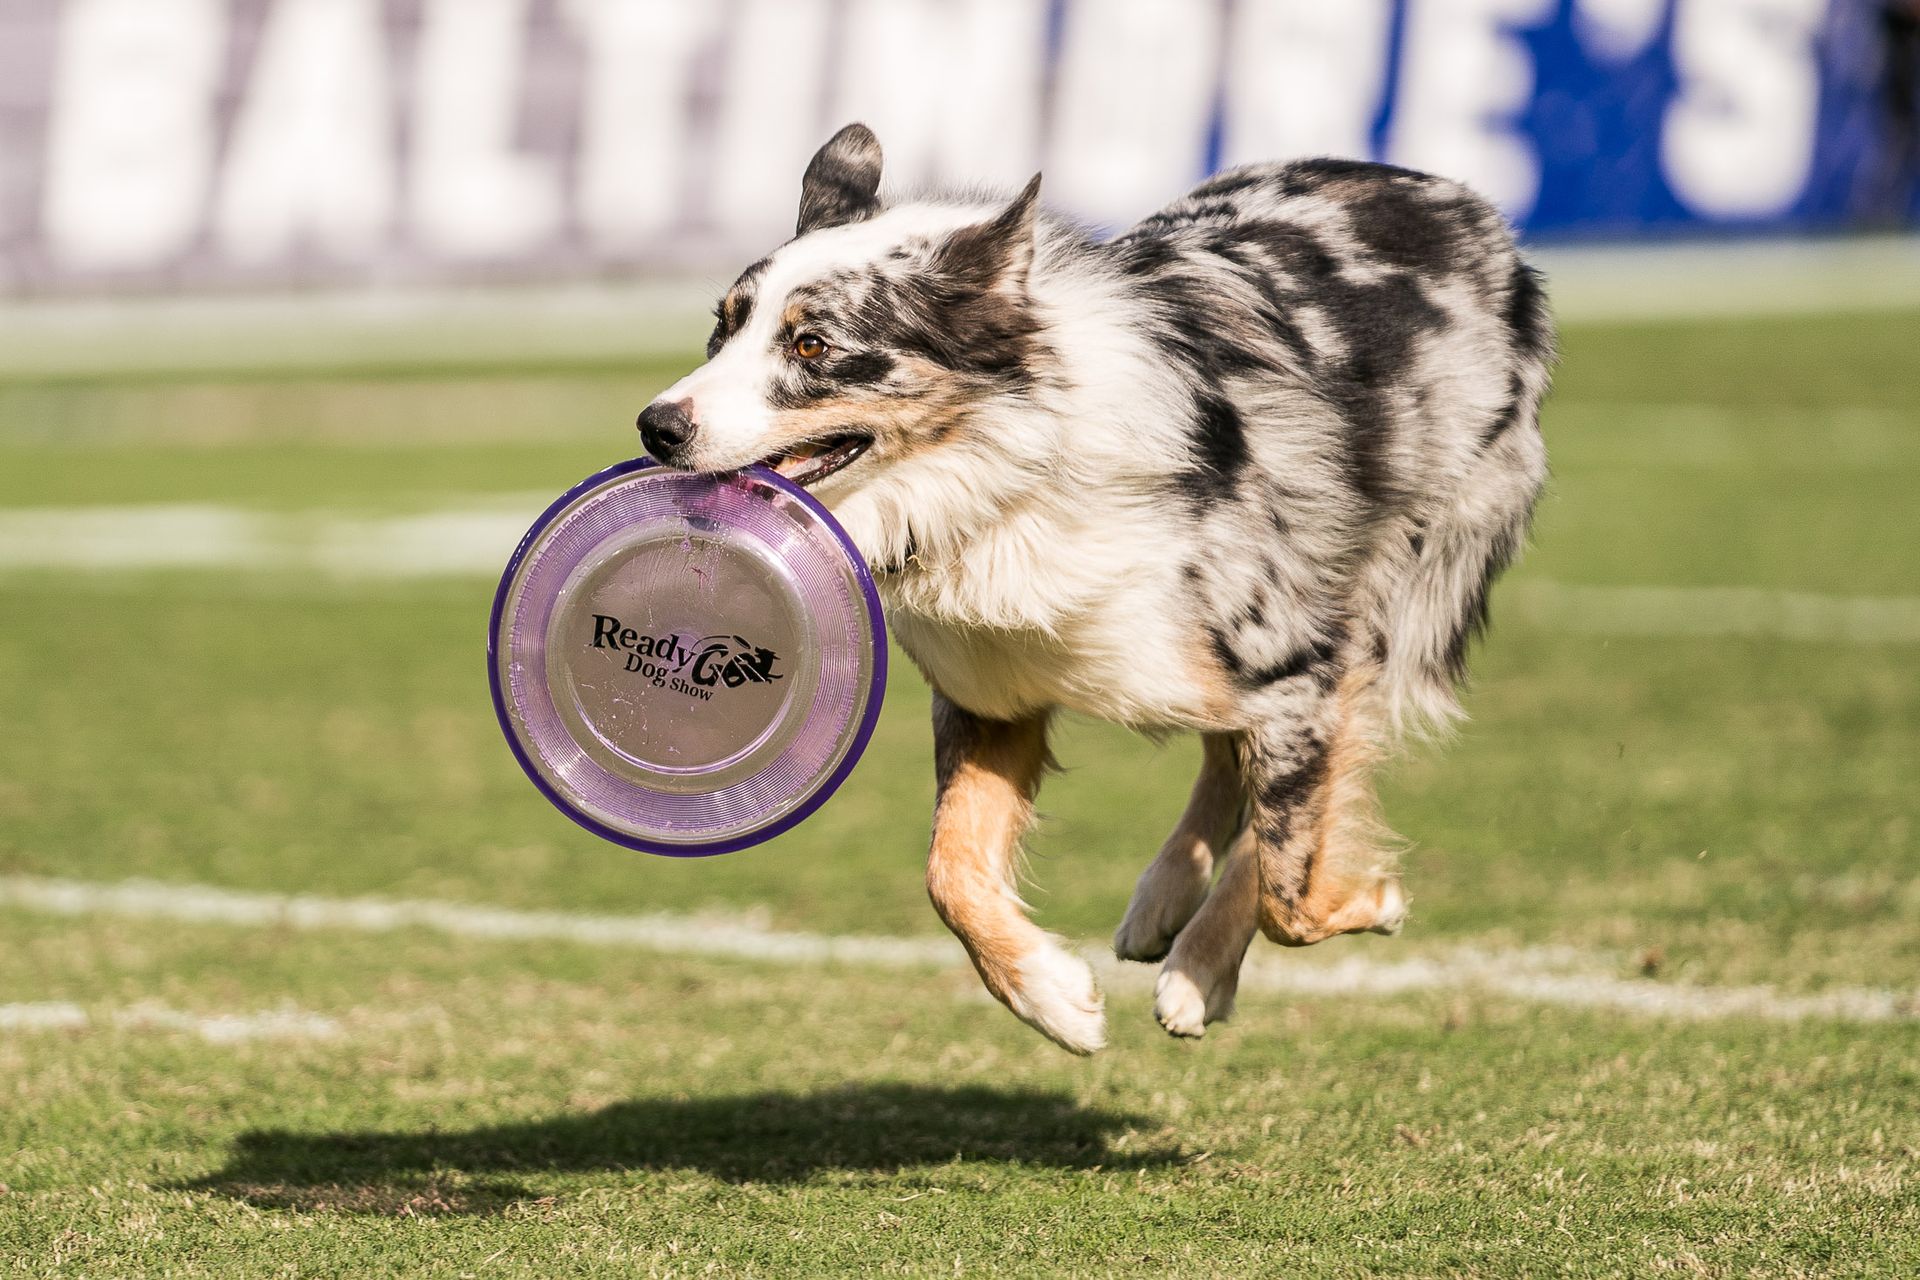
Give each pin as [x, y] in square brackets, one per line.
[686, 664]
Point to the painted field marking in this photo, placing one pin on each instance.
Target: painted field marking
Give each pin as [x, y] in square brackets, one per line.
[1541, 975]
[617, 323]
[1752, 612]
[475, 541]
[280, 1023]
[42, 1015]
[728, 936]
[451, 542]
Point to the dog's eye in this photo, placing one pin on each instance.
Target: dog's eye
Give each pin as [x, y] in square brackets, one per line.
[809, 346]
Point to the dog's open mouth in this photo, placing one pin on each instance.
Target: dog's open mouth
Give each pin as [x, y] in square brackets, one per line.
[811, 461]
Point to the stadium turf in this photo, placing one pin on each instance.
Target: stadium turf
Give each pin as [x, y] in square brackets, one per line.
[1684, 813]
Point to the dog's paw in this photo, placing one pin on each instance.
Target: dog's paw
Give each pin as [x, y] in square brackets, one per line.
[1054, 993]
[1379, 908]
[1186, 999]
[1390, 910]
[1164, 900]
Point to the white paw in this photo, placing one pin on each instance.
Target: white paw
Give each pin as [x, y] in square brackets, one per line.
[1186, 1002]
[1164, 900]
[1392, 912]
[1055, 994]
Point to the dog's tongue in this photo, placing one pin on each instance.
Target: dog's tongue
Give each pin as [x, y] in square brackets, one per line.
[795, 461]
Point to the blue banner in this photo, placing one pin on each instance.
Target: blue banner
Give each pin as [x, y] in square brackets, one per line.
[163, 145]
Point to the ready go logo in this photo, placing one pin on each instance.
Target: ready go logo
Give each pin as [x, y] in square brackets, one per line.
[694, 668]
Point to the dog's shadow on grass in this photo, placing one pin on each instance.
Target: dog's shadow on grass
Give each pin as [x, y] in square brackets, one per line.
[771, 1137]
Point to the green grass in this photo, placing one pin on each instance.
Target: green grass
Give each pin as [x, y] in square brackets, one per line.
[345, 745]
[1743, 811]
[557, 1111]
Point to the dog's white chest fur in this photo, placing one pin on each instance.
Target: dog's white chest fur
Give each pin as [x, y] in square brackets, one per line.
[1093, 631]
[1007, 674]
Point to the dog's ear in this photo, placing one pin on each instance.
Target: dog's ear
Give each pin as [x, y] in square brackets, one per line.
[842, 181]
[995, 256]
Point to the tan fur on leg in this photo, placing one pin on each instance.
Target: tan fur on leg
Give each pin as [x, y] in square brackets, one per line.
[1197, 984]
[989, 771]
[1335, 836]
[1175, 883]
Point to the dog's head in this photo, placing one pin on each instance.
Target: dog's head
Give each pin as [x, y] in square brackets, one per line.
[871, 340]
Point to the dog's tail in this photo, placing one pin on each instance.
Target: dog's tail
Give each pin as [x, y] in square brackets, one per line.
[1437, 605]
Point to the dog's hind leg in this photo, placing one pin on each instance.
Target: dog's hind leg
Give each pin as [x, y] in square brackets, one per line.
[1312, 861]
[1197, 983]
[1175, 883]
[1323, 865]
[988, 772]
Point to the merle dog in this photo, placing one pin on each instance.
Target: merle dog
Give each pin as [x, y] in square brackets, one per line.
[1247, 469]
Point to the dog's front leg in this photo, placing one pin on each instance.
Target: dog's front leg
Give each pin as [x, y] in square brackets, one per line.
[988, 772]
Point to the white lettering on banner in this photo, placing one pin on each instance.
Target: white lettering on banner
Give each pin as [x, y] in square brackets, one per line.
[952, 89]
[471, 194]
[1304, 78]
[634, 125]
[770, 116]
[130, 145]
[227, 143]
[1619, 30]
[1464, 80]
[1739, 136]
[312, 160]
[1136, 87]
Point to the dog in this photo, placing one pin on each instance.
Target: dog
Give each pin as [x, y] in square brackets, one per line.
[1246, 469]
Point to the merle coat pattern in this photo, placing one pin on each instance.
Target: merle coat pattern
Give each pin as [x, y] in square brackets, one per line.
[1247, 469]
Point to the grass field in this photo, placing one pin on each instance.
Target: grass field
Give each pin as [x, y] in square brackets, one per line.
[1708, 832]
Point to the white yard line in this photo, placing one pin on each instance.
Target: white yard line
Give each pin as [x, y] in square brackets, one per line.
[458, 542]
[722, 936]
[1703, 280]
[282, 1023]
[357, 328]
[474, 541]
[1712, 611]
[42, 1015]
[411, 327]
[1542, 975]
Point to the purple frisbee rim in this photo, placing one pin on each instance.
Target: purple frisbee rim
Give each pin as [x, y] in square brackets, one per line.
[822, 789]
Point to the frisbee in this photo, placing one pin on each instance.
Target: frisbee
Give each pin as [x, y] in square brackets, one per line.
[686, 664]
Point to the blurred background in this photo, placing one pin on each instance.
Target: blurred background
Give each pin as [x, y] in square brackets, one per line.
[169, 145]
[307, 307]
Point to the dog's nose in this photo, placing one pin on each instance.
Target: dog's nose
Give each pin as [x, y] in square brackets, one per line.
[665, 427]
